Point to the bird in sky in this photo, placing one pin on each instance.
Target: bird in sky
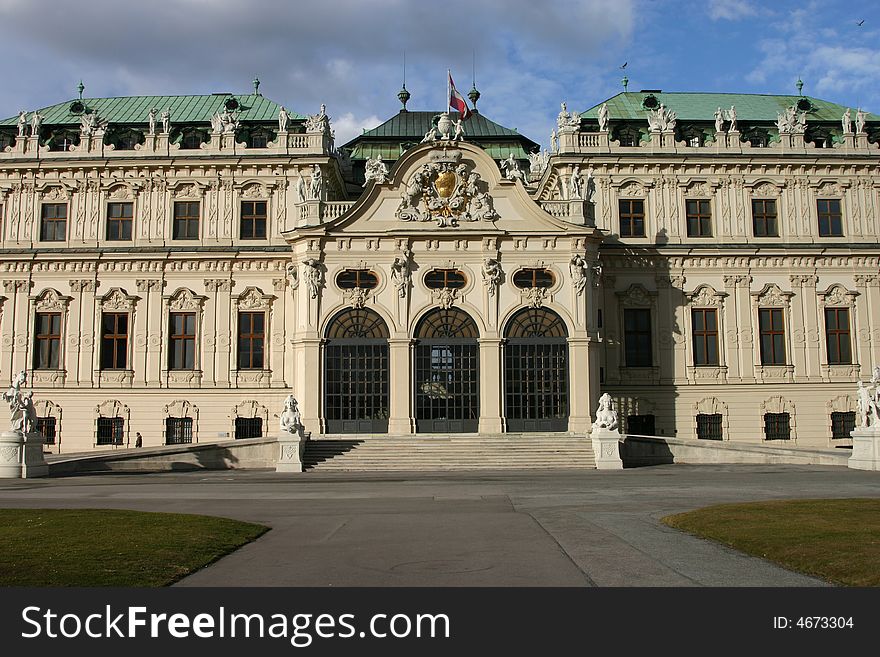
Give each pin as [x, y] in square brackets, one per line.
[861, 22]
[624, 65]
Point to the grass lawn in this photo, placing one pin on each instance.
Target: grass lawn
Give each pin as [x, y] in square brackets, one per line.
[836, 540]
[97, 547]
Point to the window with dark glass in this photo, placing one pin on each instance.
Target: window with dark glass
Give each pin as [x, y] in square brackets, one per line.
[842, 424]
[110, 430]
[178, 430]
[186, 220]
[830, 217]
[777, 426]
[764, 218]
[192, 139]
[47, 350]
[114, 341]
[182, 341]
[48, 426]
[699, 218]
[119, 217]
[709, 426]
[837, 338]
[637, 337]
[248, 427]
[253, 220]
[632, 217]
[437, 279]
[352, 278]
[528, 278]
[53, 222]
[704, 324]
[772, 329]
[251, 340]
[641, 425]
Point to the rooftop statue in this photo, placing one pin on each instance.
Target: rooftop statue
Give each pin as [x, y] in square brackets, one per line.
[603, 118]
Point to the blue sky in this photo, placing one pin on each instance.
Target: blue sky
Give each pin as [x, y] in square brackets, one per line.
[348, 54]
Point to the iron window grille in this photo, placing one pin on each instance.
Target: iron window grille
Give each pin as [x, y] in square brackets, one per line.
[777, 426]
[842, 424]
[632, 217]
[178, 430]
[764, 222]
[110, 430]
[48, 426]
[248, 427]
[47, 335]
[253, 220]
[53, 222]
[830, 218]
[838, 344]
[709, 426]
[641, 425]
[114, 341]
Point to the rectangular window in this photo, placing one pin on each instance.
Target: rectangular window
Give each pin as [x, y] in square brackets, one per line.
[632, 218]
[830, 218]
[699, 218]
[114, 341]
[772, 329]
[837, 339]
[777, 426]
[253, 220]
[110, 430]
[53, 222]
[842, 424]
[248, 427]
[48, 427]
[47, 347]
[178, 430]
[119, 217]
[637, 337]
[764, 218]
[709, 426]
[640, 425]
[704, 322]
[251, 340]
[186, 220]
[182, 341]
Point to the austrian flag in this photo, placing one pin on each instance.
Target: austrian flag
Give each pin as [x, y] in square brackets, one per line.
[456, 100]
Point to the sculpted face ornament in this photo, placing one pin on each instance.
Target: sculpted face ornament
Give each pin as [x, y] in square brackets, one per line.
[447, 191]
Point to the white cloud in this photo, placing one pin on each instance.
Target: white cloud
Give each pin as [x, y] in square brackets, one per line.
[347, 126]
[731, 10]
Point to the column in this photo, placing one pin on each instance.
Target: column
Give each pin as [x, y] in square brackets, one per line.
[307, 387]
[491, 388]
[580, 383]
[400, 418]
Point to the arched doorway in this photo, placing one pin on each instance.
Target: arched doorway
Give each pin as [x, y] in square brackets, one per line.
[447, 365]
[356, 373]
[536, 371]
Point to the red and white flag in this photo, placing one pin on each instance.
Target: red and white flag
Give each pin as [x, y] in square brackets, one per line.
[456, 100]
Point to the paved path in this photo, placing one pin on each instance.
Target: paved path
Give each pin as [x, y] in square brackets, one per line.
[561, 528]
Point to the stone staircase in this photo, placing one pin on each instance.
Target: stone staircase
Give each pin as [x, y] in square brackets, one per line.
[510, 451]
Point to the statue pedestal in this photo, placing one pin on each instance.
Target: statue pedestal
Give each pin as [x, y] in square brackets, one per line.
[11, 448]
[606, 448]
[290, 451]
[34, 463]
[866, 449]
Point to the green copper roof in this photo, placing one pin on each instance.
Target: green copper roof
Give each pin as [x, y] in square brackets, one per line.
[702, 106]
[406, 128]
[184, 109]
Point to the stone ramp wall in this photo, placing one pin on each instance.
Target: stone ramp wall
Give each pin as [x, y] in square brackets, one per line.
[655, 450]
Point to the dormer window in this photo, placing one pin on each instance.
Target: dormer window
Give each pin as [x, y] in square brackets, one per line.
[533, 277]
[352, 278]
[452, 279]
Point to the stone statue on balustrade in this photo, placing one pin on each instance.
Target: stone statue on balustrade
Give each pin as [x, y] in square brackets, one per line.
[151, 121]
[605, 436]
[606, 416]
[22, 416]
[860, 120]
[376, 171]
[22, 123]
[166, 121]
[290, 420]
[36, 123]
[719, 120]
[603, 118]
[283, 118]
[869, 416]
[510, 169]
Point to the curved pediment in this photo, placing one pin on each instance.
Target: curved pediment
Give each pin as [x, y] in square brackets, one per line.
[446, 187]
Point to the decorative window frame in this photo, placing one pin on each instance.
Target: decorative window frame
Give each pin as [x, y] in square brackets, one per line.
[779, 404]
[698, 190]
[638, 296]
[713, 406]
[119, 191]
[535, 297]
[772, 296]
[48, 408]
[181, 408]
[53, 193]
[249, 408]
[837, 296]
[770, 190]
[252, 190]
[183, 300]
[706, 296]
[49, 300]
[831, 190]
[113, 408]
[252, 299]
[840, 404]
[635, 190]
[186, 190]
[116, 300]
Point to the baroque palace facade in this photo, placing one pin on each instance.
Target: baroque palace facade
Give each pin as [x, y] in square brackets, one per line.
[175, 267]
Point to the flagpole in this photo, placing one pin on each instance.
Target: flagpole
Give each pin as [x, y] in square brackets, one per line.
[448, 90]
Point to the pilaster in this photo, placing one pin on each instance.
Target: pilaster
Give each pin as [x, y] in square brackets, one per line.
[400, 420]
[490, 388]
[583, 376]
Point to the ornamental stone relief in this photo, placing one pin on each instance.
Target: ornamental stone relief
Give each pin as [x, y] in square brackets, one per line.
[447, 191]
[254, 191]
[185, 299]
[253, 299]
[705, 295]
[772, 297]
[117, 299]
[120, 193]
[765, 189]
[187, 190]
[631, 188]
[54, 194]
[51, 300]
[837, 295]
[699, 189]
